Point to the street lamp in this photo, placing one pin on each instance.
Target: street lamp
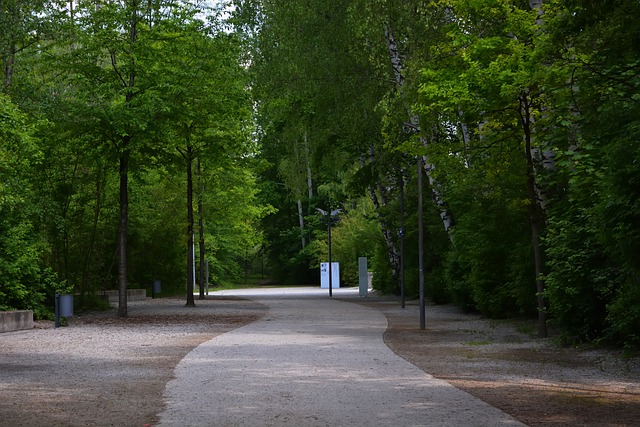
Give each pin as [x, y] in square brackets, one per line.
[401, 236]
[329, 218]
[421, 247]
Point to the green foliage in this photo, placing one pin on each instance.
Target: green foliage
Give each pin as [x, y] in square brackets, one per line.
[23, 283]
[594, 231]
[489, 266]
[18, 249]
[582, 281]
[507, 97]
[355, 235]
[95, 94]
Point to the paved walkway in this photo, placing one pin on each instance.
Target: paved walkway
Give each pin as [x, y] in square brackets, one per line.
[313, 361]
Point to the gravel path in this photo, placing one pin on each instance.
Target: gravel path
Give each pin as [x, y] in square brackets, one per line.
[102, 370]
[313, 361]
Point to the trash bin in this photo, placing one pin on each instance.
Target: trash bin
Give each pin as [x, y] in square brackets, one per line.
[66, 305]
[155, 289]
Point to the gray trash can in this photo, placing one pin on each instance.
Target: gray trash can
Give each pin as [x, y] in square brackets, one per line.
[156, 286]
[66, 305]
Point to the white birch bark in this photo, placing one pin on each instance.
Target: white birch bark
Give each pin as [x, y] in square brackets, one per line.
[387, 232]
[308, 159]
[414, 122]
[301, 222]
[534, 205]
[541, 158]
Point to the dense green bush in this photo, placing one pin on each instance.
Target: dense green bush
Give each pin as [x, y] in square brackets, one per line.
[355, 236]
[581, 282]
[23, 284]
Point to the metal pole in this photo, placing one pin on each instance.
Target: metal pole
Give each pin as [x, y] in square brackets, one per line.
[193, 253]
[57, 309]
[207, 275]
[328, 215]
[421, 247]
[402, 291]
[329, 243]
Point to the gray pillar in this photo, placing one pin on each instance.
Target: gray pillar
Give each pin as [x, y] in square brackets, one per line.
[363, 276]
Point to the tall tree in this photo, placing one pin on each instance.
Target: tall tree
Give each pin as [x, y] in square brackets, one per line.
[23, 24]
[206, 104]
[116, 66]
[593, 227]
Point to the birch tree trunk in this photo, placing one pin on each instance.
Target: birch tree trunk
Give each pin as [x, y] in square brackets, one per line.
[542, 159]
[525, 114]
[303, 240]
[308, 159]
[414, 122]
[387, 232]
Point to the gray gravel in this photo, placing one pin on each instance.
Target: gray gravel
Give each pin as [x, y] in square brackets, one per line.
[102, 370]
[313, 361]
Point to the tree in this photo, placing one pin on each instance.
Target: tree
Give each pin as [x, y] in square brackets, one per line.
[318, 128]
[23, 283]
[23, 24]
[593, 227]
[206, 105]
[117, 61]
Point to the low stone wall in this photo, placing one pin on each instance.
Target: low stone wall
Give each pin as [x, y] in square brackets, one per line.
[16, 320]
[132, 295]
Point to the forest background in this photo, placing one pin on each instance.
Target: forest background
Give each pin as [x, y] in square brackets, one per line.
[132, 129]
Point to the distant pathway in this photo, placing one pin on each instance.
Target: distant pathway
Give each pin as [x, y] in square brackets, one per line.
[313, 361]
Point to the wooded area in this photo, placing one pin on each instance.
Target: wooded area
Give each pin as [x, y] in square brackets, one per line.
[131, 129]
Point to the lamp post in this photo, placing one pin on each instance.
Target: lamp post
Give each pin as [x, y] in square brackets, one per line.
[421, 248]
[401, 235]
[329, 218]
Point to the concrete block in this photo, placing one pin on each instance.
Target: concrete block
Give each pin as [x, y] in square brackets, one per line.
[16, 320]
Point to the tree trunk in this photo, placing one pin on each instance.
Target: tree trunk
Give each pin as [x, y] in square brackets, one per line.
[124, 174]
[100, 185]
[387, 232]
[308, 159]
[8, 62]
[303, 240]
[11, 11]
[525, 114]
[190, 258]
[414, 123]
[421, 249]
[541, 158]
[201, 232]
[122, 228]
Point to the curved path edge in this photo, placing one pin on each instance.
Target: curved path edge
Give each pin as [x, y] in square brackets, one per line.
[312, 361]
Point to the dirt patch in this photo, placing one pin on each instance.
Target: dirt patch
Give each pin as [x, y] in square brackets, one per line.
[534, 380]
[103, 370]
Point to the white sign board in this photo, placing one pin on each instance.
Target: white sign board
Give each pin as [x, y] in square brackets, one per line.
[324, 275]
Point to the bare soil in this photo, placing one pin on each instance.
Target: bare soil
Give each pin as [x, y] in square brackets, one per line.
[534, 380]
[102, 370]
[105, 371]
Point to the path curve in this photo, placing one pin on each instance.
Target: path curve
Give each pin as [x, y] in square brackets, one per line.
[313, 361]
